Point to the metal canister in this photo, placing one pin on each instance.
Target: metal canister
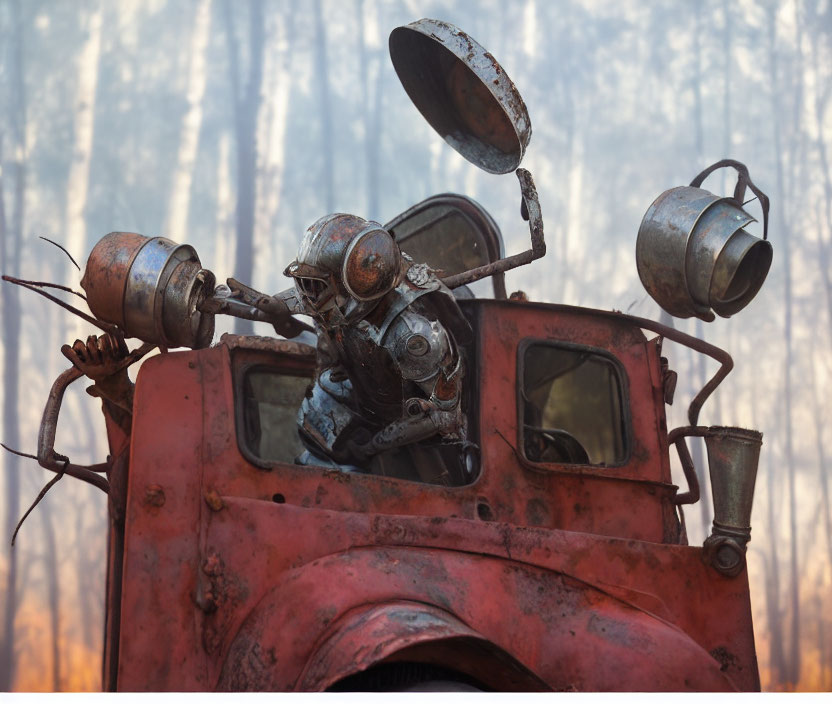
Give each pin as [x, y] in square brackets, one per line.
[151, 288]
[694, 257]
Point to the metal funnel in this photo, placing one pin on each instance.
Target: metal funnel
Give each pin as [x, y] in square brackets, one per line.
[733, 456]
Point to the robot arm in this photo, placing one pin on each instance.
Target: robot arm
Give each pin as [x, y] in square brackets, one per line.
[426, 355]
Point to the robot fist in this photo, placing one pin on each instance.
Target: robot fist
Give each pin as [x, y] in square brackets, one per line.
[99, 357]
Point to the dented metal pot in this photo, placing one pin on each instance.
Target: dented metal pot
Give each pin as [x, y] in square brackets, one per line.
[693, 254]
[151, 288]
[463, 93]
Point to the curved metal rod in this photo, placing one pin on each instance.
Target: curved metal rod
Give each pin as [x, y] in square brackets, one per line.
[47, 457]
[101, 324]
[677, 437]
[90, 474]
[531, 207]
[743, 181]
[694, 343]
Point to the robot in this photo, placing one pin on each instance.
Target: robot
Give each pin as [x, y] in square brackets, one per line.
[390, 339]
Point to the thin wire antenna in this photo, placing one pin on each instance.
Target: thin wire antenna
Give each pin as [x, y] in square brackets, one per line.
[42, 493]
[63, 249]
[100, 324]
[18, 452]
[47, 284]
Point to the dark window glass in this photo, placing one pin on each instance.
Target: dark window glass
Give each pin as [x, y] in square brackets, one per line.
[443, 238]
[270, 410]
[271, 401]
[572, 406]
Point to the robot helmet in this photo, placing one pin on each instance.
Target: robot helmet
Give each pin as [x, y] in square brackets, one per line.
[342, 258]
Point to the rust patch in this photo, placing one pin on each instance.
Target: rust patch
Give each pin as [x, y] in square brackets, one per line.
[726, 659]
[249, 668]
[216, 589]
[619, 633]
[537, 512]
[214, 500]
[266, 344]
[154, 495]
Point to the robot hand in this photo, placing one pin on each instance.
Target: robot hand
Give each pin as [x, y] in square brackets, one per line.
[99, 357]
[423, 420]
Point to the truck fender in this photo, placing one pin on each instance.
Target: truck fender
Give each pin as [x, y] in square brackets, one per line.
[413, 632]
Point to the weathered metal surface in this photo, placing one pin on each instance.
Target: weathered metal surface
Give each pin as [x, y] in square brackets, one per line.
[662, 245]
[48, 458]
[677, 437]
[535, 218]
[733, 455]
[560, 603]
[412, 631]
[743, 181]
[371, 264]
[266, 344]
[463, 93]
[242, 301]
[106, 272]
[151, 288]
[694, 257]
[158, 638]
[262, 573]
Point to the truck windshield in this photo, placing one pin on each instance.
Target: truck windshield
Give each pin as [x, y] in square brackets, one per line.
[571, 406]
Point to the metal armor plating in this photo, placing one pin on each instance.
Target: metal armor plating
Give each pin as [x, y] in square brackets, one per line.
[390, 379]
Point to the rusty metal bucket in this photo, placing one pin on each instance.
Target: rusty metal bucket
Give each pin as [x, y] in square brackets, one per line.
[463, 93]
[733, 456]
[693, 255]
[151, 288]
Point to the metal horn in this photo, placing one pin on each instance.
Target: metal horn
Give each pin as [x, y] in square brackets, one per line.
[733, 456]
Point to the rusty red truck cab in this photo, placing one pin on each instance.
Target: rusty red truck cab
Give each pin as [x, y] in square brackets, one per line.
[551, 559]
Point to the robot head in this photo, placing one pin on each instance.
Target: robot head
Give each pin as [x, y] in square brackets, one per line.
[344, 261]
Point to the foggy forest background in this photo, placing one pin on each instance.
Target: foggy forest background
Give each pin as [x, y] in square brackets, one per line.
[234, 125]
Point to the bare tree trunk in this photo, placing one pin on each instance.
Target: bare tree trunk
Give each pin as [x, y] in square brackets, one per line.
[273, 130]
[246, 110]
[180, 192]
[698, 444]
[824, 243]
[10, 262]
[374, 145]
[776, 657]
[793, 674]
[821, 642]
[822, 467]
[322, 80]
[77, 187]
[51, 565]
[727, 137]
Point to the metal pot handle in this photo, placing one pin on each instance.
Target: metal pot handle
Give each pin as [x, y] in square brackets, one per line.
[743, 180]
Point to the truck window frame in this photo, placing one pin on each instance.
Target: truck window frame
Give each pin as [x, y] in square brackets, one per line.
[243, 362]
[240, 368]
[624, 389]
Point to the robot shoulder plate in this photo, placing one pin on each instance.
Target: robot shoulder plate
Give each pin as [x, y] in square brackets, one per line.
[420, 347]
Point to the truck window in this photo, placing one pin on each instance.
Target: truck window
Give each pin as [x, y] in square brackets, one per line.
[268, 432]
[270, 408]
[571, 405]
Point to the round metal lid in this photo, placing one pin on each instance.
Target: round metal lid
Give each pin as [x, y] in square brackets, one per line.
[463, 93]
